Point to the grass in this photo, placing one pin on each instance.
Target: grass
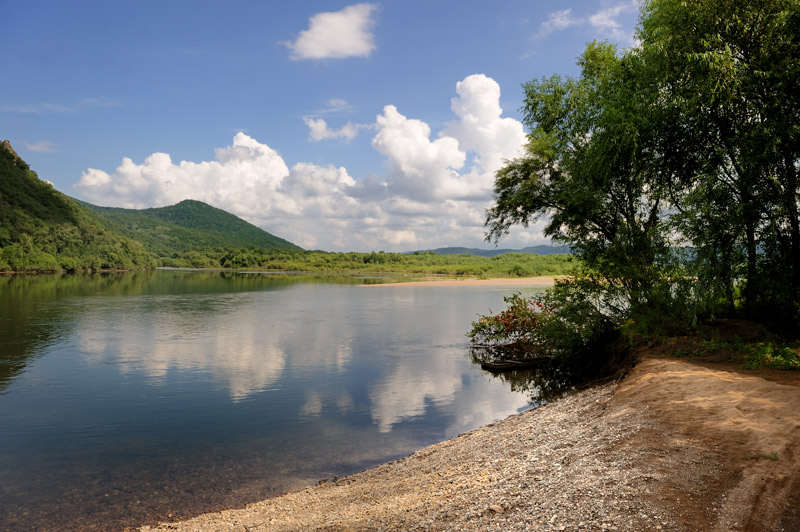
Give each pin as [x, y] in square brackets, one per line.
[764, 352]
[762, 456]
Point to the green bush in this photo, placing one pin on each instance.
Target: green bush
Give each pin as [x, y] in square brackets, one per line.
[573, 324]
[769, 356]
[517, 326]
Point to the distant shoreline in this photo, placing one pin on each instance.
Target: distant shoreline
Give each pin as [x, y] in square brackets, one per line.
[542, 280]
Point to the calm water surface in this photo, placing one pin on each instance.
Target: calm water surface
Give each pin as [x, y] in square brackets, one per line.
[129, 398]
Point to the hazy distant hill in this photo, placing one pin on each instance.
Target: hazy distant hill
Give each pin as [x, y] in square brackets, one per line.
[42, 229]
[188, 225]
[536, 250]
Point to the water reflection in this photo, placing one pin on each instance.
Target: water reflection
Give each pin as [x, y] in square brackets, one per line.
[546, 383]
[131, 397]
[222, 337]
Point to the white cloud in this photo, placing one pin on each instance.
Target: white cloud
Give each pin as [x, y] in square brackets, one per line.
[605, 22]
[318, 130]
[421, 168]
[235, 181]
[336, 105]
[41, 146]
[481, 127]
[38, 108]
[557, 21]
[434, 192]
[338, 34]
[46, 108]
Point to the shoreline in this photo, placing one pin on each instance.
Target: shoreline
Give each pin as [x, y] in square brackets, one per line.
[539, 281]
[673, 446]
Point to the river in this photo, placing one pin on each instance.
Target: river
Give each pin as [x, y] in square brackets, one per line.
[130, 398]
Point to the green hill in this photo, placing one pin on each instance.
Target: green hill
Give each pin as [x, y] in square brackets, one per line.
[42, 229]
[189, 225]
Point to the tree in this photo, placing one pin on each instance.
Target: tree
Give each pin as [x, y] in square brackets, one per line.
[689, 139]
[729, 71]
[590, 169]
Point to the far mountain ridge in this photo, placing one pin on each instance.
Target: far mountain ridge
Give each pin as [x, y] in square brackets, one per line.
[535, 250]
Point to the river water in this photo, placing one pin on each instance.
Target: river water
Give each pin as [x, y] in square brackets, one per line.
[126, 399]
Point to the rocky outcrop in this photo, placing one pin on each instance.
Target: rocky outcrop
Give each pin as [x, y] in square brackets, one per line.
[17, 159]
[7, 145]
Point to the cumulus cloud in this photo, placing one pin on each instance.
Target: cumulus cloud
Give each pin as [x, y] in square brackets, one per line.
[338, 34]
[434, 192]
[421, 168]
[482, 129]
[239, 174]
[431, 169]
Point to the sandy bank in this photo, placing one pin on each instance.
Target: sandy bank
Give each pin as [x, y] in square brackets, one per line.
[543, 280]
[674, 446]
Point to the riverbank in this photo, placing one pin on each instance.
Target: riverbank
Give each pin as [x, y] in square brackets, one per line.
[673, 446]
[542, 280]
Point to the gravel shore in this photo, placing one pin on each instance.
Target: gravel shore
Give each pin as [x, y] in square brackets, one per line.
[673, 446]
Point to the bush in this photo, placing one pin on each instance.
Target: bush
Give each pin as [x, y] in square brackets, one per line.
[769, 356]
[517, 326]
[574, 324]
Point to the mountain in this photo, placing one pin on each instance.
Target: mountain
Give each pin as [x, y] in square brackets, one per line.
[190, 224]
[42, 229]
[535, 250]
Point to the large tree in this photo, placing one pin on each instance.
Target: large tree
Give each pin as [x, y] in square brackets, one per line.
[689, 138]
[729, 70]
[590, 171]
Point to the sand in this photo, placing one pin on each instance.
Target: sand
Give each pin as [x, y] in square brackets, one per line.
[753, 424]
[672, 446]
[544, 280]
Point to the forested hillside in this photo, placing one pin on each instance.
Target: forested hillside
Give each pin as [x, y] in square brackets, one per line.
[167, 231]
[42, 229]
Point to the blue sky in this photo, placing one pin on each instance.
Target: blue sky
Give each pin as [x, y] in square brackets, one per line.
[336, 125]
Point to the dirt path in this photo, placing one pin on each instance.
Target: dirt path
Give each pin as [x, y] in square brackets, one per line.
[751, 424]
[673, 446]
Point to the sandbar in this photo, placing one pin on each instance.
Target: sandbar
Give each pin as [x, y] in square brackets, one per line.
[543, 280]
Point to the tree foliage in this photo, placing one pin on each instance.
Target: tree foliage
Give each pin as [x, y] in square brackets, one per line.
[44, 230]
[592, 171]
[730, 69]
[188, 225]
[506, 265]
[676, 159]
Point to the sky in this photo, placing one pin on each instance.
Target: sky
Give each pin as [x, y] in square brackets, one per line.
[339, 126]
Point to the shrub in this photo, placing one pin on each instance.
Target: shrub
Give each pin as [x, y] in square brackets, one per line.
[573, 324]
[517, 326]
